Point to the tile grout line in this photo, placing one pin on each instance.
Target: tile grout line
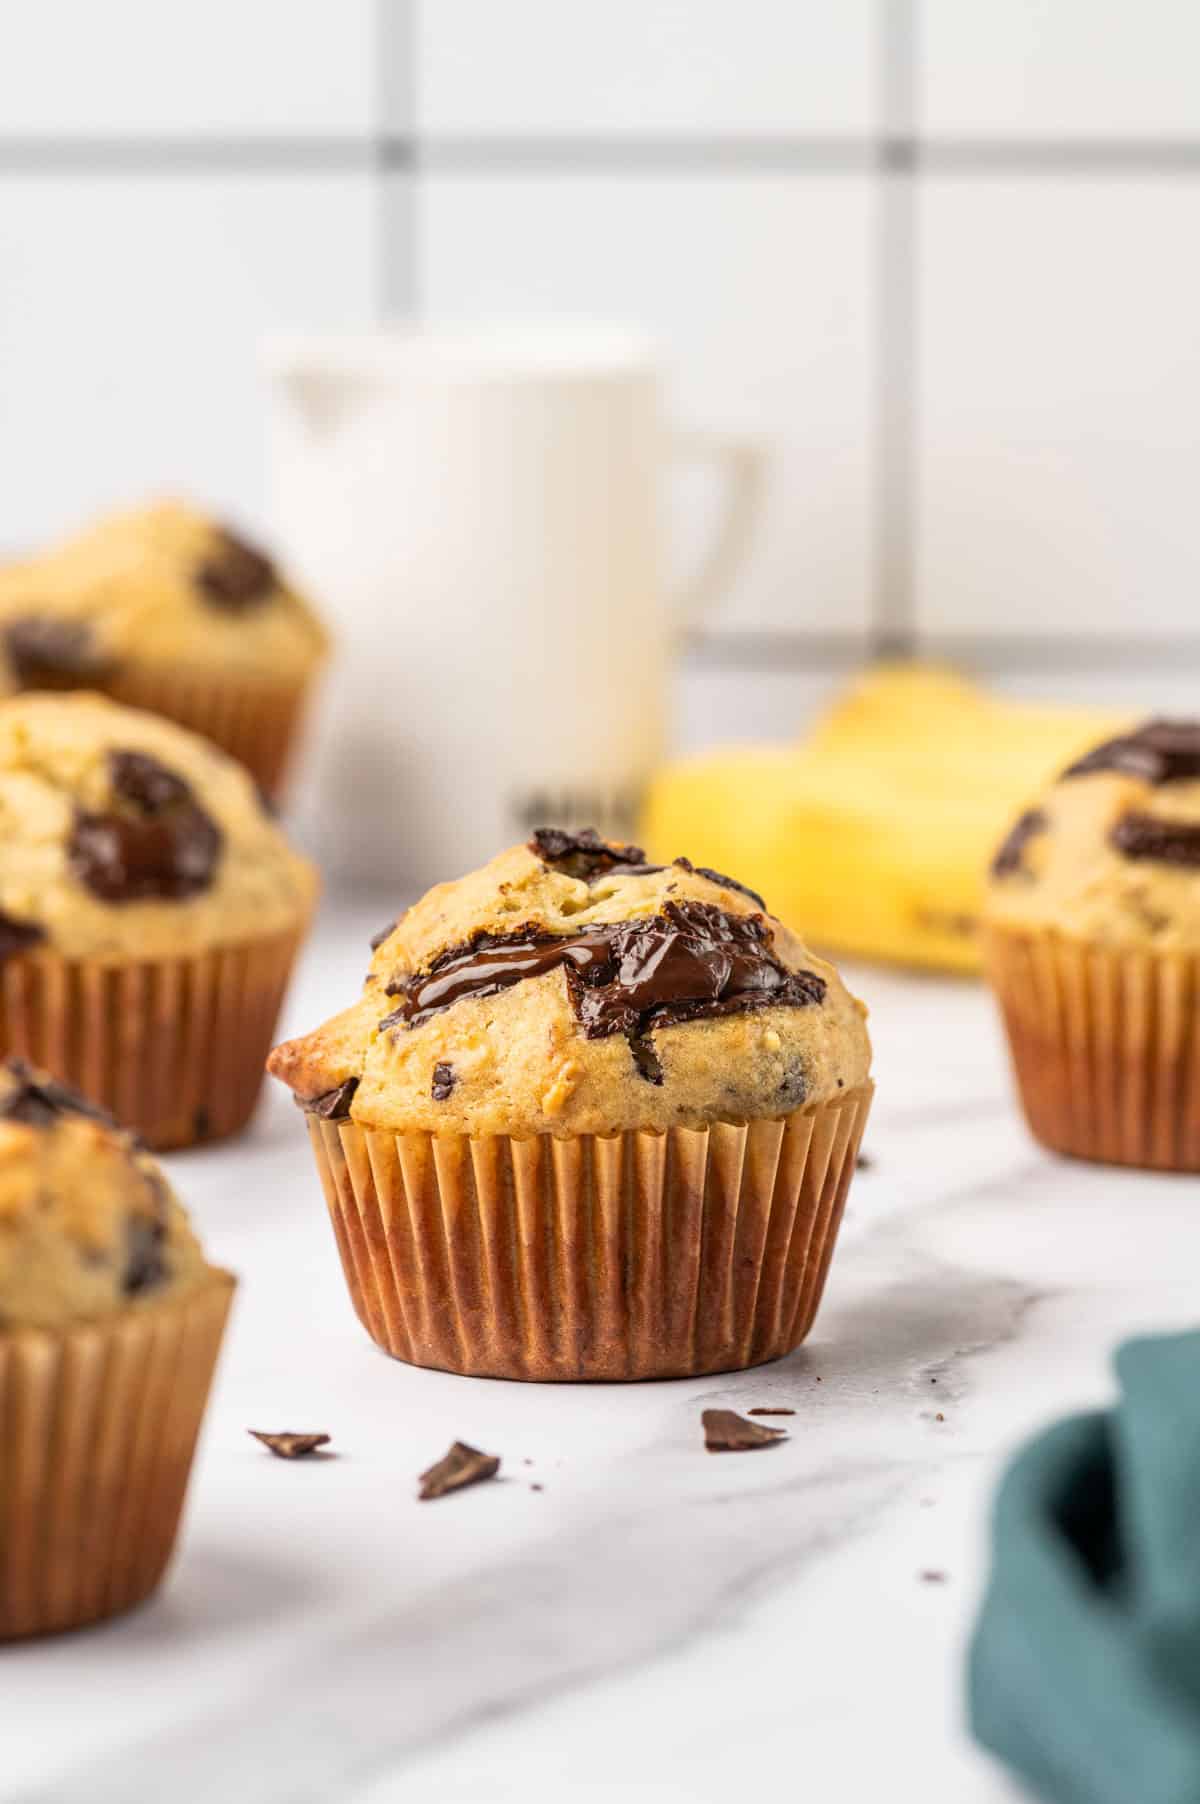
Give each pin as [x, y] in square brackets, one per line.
[395, 84]
[892, 619]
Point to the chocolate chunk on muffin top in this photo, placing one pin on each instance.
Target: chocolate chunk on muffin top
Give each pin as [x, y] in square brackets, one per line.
[123, 835]
[88, 1223]
[159, 585]
[571, 986]
[1111, 852]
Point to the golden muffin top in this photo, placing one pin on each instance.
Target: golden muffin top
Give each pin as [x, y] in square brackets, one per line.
[1111, 852]
[88, 1222]
[162, 585]
[123, 835]
[571, 987]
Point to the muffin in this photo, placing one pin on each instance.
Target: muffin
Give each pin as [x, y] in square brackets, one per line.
[1092, 934]
[165, 609]
[110, 1323]
[590, 1118]
[150, 912]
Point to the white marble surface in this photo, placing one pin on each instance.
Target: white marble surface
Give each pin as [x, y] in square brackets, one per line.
[658, 1622]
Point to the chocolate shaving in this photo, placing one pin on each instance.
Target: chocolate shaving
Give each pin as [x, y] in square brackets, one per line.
[17, 936]
[705, 870]
[463, 1465]
[157, 842]
[1149, 836]
[1010, 856]
[585, 854]
[772, 1412]
[691, 962]
[331, 1105]
[46, 653]
[234, 576]
[1159, 751]
[35, 1100]
[727, 1432]
[444, 1081]
[287, 1444]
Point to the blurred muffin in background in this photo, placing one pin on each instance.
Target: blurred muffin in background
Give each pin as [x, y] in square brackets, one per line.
[591, 1118]
[150, 912]
[1092, 942]
[166, 609]
[110, 1324]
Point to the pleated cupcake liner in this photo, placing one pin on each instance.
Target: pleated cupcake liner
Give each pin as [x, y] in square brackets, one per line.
[173, 1047]
[1105, 1045]
[635, 1255]
[98, 1426]
[256, 722]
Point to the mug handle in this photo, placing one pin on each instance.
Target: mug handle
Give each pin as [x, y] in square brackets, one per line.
[745, 465]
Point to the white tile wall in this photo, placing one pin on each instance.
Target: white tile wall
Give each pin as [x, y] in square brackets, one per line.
[130, 311]
[1059, 407]
[667, 161]
[123, 67]
[1059, 69]
[639, 68]
[760, 289]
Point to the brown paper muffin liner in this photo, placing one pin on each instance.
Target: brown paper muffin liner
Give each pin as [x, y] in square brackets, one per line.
[635, 1255]
[255, 722]
[1105, 1044]
[98, 1425]
[173, 1047]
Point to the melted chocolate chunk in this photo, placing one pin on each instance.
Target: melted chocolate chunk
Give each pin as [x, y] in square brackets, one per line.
[156, 842]
[385, 933]
[333, 1105]
[727, 1432]
[145, 1255]
[1148, 836]
[234, 576]
[1159, 751]
[705, 870]
[287, 1444]
[585, 854]
[53, 654]
[17, 936]
[444, 1081]
[691, 962]
[463, 1465]
[1010, 857]
[37, 1101]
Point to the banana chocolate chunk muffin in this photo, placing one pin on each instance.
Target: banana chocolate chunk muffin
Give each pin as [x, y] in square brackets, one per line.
[1093, 949]
[150, 907]
[110, 1323]
[166, 609]
[567, 998]
[88, 1221]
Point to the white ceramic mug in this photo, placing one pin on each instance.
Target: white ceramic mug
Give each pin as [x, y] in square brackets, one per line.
[478, 513]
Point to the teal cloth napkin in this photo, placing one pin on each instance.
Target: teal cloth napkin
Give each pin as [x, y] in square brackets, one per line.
[1084, 1669]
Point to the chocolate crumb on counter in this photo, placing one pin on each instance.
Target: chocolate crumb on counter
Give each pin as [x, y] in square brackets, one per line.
[932, 1576]
[761, 1410]
[462, 1466]
[287, 1444]
[444, 1081]
[939, 1417]
[727, 1432]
